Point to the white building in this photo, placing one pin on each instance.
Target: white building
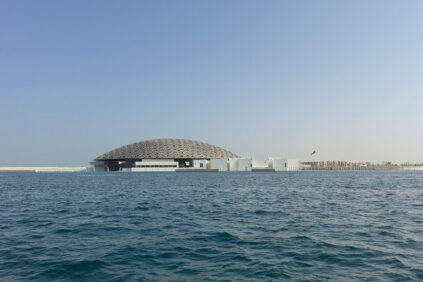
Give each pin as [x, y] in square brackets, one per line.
[240, 164]
[162, 155]
[283, 164]
[277, 163]
[292, 164]
[184, 155]
[260, 163]
[155, 165]
[219, 164]
[199, 164]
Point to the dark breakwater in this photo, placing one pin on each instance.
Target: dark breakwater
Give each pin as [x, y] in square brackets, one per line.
[310, 225]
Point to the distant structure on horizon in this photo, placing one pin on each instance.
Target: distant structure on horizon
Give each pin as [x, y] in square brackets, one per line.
[345, 165]
[184, 155]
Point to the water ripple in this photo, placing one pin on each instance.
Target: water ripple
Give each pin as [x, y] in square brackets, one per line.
[212, 226]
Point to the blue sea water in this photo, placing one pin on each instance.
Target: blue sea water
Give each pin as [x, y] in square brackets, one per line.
[310, 225]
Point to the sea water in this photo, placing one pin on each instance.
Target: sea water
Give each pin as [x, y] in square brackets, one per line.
[310, 225]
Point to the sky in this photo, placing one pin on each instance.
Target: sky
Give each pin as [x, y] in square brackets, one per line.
[258, 78]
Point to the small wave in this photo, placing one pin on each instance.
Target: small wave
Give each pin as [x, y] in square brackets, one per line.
[188, 271]
[65, 230]
[301, 238]
[69, 270]
[329, 258]
[216, 237]
[272, 273]
[141, 208]
[225, 236]
[265, 212]
[167, 255]
[85, 265]
[239, 227]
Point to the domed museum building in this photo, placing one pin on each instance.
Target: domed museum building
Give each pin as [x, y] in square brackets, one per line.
[164, 155]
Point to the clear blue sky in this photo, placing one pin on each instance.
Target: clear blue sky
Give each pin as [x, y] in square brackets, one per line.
[281, 78]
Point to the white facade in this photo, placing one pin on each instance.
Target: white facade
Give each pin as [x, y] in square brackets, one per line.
[292, 164]
[244, 164]
[155, 165]
[283, 164]
[233, 164]
[278, 164]
[200, 164]
[220, 164]
[172, 154]
[240, 164]
[260, 162]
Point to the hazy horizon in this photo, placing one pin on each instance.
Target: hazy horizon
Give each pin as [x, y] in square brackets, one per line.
[258, 78]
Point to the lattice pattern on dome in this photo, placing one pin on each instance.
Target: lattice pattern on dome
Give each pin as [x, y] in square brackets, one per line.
[167, 149]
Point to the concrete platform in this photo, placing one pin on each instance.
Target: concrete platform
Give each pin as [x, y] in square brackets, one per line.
[196, 170]
[42, 169]
[263, 169]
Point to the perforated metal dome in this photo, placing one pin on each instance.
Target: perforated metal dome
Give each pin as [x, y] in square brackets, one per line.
[167, 149]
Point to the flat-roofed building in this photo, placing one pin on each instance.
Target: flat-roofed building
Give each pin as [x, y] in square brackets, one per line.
[240, 164]
[219, 164]
[284, 164]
